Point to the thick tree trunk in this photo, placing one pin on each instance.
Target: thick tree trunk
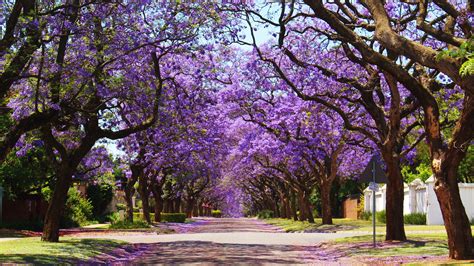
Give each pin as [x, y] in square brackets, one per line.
[394, 201]
[456, 222]
[129, 191]
[157, 193]
[177, 205]
[158, 207]
[283, 213]
[189, 207]
[302, 207]
[145, 194]
[169, 206]
[326, 203]
[56, 206]
[293, 206]
[307, 206]
[200, 209]
[195, 210]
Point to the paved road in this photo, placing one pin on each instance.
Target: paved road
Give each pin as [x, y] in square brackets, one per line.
[226, 241]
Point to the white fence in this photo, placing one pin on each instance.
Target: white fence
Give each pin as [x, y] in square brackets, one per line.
[421, 198]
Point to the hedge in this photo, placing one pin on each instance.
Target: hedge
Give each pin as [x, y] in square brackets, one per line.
[415, 218]
[216, 213]
[173, 217]
[265, 214]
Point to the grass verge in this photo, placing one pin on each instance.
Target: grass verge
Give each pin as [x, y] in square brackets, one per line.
[32, 250]
[342, 224]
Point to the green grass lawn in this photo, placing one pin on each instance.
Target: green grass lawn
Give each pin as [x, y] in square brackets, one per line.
[32, 250]
[289, 225]
[342, 224]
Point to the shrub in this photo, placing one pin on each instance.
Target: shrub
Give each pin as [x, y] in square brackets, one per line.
[365, 215]
[78, 209]
[415, 218]
[472, 221]
[265, 214]
[100, 196]
[121, 207]
[113, 217]
[128, 225]
[216, 213]
[381, 216]
[173, 217]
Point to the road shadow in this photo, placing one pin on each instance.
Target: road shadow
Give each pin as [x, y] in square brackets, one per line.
[210, 253]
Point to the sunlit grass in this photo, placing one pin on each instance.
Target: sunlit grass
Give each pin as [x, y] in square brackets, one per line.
[68, 250]
[343, 224]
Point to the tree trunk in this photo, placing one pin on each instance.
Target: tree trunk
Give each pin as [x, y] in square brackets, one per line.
[394, 201]
[144, 193]
[195, 210]
[200, 209]
[283, 213]
[189, 207]
[456, 222]
[302, 206]
[157, 193]
[177, 205]
[326, 203]
[56, 205]
[129, 191]
[293, 206]
[307, 206]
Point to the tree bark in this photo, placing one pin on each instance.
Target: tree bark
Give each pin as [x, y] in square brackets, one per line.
[394, 201]
[326, 203]
[129, 192]
[56, 205]
[302, 207]
[456, 222]
[157, 189]
[158, 207]
[144, 193]
[177, 205]
[189, 207]
[293, 205]
[307, 206]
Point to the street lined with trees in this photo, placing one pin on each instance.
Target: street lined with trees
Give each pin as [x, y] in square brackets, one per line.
[269, 109]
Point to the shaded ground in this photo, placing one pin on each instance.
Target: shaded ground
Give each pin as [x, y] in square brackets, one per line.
[222, 241]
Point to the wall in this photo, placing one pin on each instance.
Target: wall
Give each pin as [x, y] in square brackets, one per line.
[30, 208]
[421, 198]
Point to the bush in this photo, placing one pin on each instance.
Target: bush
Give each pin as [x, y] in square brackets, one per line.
[472, 221]
[415, 218]
[128, 225]
[216, 213]
[100, 196]
[121, 207]
[173, 217]
[113, 217]
[265, 214]
[78, 209]
[365, 215]
[381, 216]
